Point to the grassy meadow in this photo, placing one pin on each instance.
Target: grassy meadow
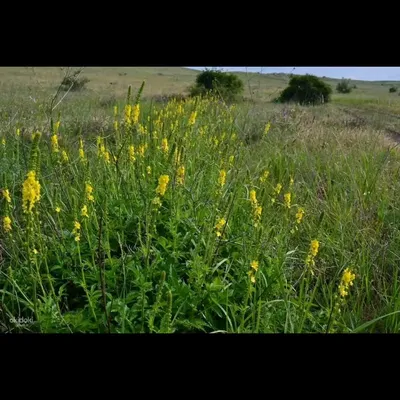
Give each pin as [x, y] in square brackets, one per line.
[132, 211]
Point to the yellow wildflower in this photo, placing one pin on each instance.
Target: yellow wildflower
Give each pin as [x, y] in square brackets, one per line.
[253, 197]
[7, 224]
[346, 281]
[257, 215]
[291, 182]
[115, 111]
[148, 170]
[278, 188]
[267, 128]
[314, 247]
[30, 192]
[192, 118]
[54, 144]
[3, 141]
[64, 156]
[84, 211]
[264, 176]
[115, 125]
[136, 112]
[89, 191]
[162, 184]
[220, 226]
[180, 175]
[164, 146]
[222, 177]
[81, 151]
[128, 111]
[141, 150]
[254, 265]
[287, 198]
[299, 215]
[18, 132]
[6, 195]
[132, 153]
[76, 231]
[58, 209]
[157, 202]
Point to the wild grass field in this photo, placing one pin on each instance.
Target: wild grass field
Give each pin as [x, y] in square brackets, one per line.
[123, 211]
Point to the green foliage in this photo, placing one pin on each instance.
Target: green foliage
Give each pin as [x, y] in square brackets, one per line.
[393, 89]
[344, 86]
[223, 84]
[306, 90]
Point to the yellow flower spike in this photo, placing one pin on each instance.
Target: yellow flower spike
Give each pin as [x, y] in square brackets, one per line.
[64, 156]
[180, 175]
[192, 118]
[132, 153]
[115, 111]
[314, 247]
[84, 211]
[148, 170]
[267, 128]
[128, 111]
[54, 144]
[220, 226]
[287, 198]
[291, 182]
[3, 141]
[222, 178]
[76, 231]
[162, 185]
[6, 195]
[30, 192]
[278, 188]
[253, 197]
[254, 265]
[58, 209]
[18, 132]
[299, 215]
[89, 191]
[7, 224]
[141, 150]
[81, 150]
[136, 113]
[164, 146]
[264, 176]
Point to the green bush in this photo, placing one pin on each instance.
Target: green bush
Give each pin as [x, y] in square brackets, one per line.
[344, 86]
[223, 84]
[393, 89]
[306, 90]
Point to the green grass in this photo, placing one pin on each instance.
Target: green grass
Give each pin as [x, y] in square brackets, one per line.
[172, 265]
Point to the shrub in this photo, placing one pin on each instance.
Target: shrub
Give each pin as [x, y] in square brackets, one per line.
[344, 86]
[224, 84]
[305, 90]
[393, 89]
[74, 80]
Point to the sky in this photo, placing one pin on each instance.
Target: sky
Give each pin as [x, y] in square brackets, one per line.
[355, 73]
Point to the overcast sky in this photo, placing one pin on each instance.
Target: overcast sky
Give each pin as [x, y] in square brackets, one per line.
[361, 73]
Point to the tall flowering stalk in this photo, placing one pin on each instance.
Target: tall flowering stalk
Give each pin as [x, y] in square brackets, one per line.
[256, 208]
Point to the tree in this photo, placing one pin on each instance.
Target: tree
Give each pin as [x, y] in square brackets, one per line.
[344, 86]
[224, 84]
[306, 90]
